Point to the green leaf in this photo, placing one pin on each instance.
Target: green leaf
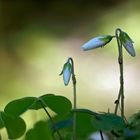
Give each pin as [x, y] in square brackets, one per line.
[87, 111]
[130, 134]
[59, 104]
[104, 121]
[38, 104]
[1, 120]
[19, 106]
[134, 119]
[39, 132]
[84, 125]
[15, 126]
[31, 135]
[108, 122]
[64, 123]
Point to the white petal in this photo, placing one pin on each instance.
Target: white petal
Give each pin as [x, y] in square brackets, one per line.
[97, 136]
[66, 75]
[93, 43]
[129, 47]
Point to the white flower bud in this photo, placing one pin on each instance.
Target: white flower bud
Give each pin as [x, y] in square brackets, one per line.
[67, 72]
[97, 42]
[127, 43]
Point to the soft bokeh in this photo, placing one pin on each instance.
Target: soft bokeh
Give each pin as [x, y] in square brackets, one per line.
[37, 37]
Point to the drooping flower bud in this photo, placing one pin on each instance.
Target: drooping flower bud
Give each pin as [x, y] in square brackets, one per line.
[127, 43]
[97, 42]
[67, 72]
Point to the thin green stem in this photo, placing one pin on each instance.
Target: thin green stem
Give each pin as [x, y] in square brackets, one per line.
[74, 99]
[101, 134]
[51, 119]
[120, 61]
[0, 137]
[117, 102]
[74, 115]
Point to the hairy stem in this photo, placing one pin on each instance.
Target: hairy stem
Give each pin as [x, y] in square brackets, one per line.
[120, 61]
[74, 99]
[51, 119]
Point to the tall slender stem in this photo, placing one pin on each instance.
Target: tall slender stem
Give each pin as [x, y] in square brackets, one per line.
[102, 138]
[120, 61]
[0, 137]
[51, 119]
[117, 102]
[74, 99]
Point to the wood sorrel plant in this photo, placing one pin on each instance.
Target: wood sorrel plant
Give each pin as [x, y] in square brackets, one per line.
[68, 71]
[72, 123]
[122, 39]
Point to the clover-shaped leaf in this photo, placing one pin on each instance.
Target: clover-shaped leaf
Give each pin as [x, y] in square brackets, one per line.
[40, 131]
[104, 121]
[59, 104]
[17, 107]
[15, 126]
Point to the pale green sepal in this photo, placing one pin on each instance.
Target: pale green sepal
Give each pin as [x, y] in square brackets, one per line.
[127, 42]
[66, 71]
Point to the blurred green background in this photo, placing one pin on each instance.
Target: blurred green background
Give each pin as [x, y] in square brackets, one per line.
[37, 37]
